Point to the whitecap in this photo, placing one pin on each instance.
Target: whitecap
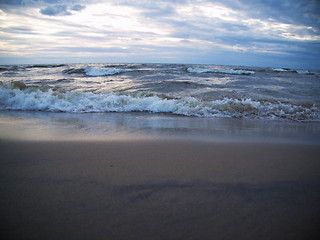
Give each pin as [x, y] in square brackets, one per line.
[96, 72]
[305, 72]
[222, 71]
[280, 70]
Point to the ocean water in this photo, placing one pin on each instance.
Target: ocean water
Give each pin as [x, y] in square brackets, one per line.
[208, 91]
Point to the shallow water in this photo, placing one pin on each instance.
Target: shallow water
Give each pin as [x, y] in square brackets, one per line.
[37, 125]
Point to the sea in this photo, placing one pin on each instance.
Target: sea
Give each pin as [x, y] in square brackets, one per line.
[204, 91]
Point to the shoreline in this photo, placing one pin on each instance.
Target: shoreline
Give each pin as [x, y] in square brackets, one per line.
[44, 126]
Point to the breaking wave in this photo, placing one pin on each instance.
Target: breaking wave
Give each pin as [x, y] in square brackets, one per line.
[17, 97]
[282, 70]
[305, 72]
[302, 72]
[223, 71]
[96, 71]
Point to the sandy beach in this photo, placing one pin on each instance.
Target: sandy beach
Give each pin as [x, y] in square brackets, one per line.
[155, 186]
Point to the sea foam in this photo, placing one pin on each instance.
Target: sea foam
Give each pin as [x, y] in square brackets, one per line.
[82, 102]
[222, 71]
[96, 72]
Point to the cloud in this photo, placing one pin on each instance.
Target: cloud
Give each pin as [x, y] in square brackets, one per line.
[77, 7]
[302, 12]
[26, 3]
[194, 31]
[48, 7]
[61, 10]
[56, 10]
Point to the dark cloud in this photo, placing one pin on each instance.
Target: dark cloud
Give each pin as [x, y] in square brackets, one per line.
[56, 10]
[302, 12]
[298, 12]
[60, 9]
[29, 2]
[12, 2]
[77, 7]
[47, 7]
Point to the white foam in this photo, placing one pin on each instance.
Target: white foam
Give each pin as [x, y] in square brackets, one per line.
[299, 71]
[224, 71]
[304, 72]
[279, 70]
[96, 72]
[81, 102]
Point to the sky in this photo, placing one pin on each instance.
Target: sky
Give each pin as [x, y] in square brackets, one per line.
[266, 33]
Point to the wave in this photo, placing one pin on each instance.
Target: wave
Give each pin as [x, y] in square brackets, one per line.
[282, 70]
[305, 72]
[46, 65]
[96, 71]
[223, 71]
[13, 97]
[74, 71]
[302, 72]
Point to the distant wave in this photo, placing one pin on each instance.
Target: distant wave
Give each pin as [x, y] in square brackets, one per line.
[223, 71]
[302, 72]
[96, 71]
[305, 72]
[282, 70]
[18, 96]
[74, 71]
[46, 66]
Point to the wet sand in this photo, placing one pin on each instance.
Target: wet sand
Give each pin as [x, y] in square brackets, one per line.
[157, 188]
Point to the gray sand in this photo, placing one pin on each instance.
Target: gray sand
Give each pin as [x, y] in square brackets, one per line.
[140, 176]
[159, 190]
